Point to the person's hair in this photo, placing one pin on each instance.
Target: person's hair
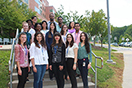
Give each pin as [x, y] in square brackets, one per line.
[86, 42]
[24, 23]
[19, 41]
[51, 13]
[36, 26]
[77, 23]
[62, 31]
[54, 41]
[33, 17]
[46, 24]
[72, 41]
[59, 17]
[29, 20]
[70, 25]
[49, 36]
[43, 44]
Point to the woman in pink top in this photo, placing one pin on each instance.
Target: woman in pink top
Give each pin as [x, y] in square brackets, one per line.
[21, 58]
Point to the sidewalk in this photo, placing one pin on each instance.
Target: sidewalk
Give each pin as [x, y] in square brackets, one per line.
[5, 47]
[127, 73]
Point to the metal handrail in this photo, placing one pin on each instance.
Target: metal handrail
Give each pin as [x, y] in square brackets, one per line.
[95, 71]
[12, 57]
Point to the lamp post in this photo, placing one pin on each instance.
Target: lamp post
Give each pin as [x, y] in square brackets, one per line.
[109, 48]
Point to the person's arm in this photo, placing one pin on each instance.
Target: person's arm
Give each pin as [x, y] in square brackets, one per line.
[90, 56]
[75, 58]
[47, 43]
[50, 58]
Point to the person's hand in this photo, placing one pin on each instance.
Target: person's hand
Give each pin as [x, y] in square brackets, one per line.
[60, 67]
[50, 67]
[47, 66]
[74, 67]
[28, 69]
[89, 66]
[35, 69]
[20, 72]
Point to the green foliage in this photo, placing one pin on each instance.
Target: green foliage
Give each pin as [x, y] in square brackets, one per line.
[4, 72]
[12, 14]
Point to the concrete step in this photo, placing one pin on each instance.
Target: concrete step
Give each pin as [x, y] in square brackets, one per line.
[46, 82]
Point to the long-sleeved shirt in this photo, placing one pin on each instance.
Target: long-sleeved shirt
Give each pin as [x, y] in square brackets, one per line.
[82, 53]
[76, 36]
[48, 40]
[21, 55]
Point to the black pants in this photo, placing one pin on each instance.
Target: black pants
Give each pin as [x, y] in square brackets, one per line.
[71, 72]
[83, 67]
[58, 75]
[22, 78]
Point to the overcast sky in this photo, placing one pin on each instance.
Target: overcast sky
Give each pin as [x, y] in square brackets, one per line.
[120, 10]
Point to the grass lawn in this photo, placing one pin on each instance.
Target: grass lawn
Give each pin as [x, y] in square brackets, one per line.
[111, 75]
[4, 72]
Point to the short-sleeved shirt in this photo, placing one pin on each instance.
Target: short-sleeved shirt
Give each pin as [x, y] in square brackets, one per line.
[70, 51]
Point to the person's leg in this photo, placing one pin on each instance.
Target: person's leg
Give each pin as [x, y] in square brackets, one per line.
[37, 76]
[61, 79]
[71, 72]
[43, 68]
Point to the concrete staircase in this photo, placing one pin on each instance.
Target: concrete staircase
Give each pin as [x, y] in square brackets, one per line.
[47, 83]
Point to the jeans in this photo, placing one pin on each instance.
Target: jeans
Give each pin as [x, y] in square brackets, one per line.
[22, 78]
[84, 70]
[38, 76]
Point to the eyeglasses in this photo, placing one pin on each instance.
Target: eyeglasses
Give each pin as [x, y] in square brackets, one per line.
[64, 27]
[69, 37]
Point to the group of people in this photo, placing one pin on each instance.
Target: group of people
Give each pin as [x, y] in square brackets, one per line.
[55, 47]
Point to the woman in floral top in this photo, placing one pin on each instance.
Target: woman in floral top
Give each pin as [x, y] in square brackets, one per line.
[21, 58]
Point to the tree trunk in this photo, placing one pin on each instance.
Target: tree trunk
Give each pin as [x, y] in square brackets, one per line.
[94, 41]
[101, 43]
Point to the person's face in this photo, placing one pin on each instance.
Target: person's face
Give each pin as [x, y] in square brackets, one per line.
[77, 27]
[25, 27]
[69, 38]
[72, 24]
[51, 17]
[57, 38]
[44, 25]
[83, 37]
[39, 37]
[23, 38]
[64, 28]
[34, 20]
[30, 23]
[60, 20]
[52, 26]
[38, 27]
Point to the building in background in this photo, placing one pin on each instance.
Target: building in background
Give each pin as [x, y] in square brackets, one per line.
[41, 7]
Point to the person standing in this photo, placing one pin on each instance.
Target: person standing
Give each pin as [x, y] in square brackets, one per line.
[76, 34]
[64, 33]
[57, 58]
[71, 59]
[30, 24]
[71, 28]
[60, 21]
[49, 40]
[52, 17]
[84, 62]
[34, 20]
[39, 59]
[44, 27]
[21, 58]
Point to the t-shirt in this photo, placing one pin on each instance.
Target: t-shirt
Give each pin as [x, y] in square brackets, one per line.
[70, 51]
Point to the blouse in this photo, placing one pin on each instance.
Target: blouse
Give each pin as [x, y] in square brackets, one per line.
[71, 31]
[82, 53]
[44, 31]
[70, 51]
[21, 55]
[39, 54]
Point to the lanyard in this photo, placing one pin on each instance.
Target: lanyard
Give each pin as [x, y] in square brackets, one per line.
[41, 48]
[25, 50]
[67, 50]
[76, 36]
[55, 49]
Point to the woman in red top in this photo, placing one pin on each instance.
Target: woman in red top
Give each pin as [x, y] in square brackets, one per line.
[21, 58]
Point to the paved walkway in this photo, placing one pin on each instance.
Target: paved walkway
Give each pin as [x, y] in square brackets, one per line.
[5, 47]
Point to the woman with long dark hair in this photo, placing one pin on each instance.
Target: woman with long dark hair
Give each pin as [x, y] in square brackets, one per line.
[71, 28]
[21, 58]
[49, 40]
[71, 59]
[39, 59]
[84, 62]
[64, 32]
[44, 27]
[57, 58]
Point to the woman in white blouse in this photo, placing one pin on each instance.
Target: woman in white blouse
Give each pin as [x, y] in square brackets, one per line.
[39, 59]
[71, 56]
[64, 33]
